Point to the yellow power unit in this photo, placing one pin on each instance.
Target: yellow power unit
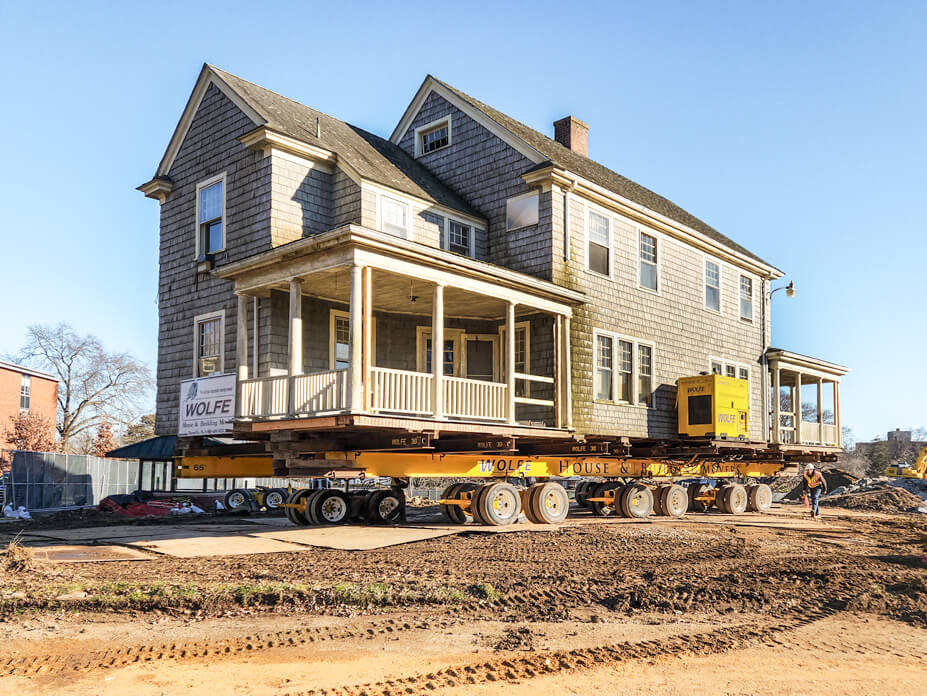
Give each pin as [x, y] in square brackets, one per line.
[713, 406]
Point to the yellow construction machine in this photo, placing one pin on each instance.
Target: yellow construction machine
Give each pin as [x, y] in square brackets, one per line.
[917, 470]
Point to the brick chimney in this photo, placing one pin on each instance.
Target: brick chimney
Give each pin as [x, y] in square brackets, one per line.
[573, 134]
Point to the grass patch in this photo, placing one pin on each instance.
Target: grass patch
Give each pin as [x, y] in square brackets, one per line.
[484, 590]
[18, 558]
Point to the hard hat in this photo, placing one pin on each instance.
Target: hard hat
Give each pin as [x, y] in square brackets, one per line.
[809, 467]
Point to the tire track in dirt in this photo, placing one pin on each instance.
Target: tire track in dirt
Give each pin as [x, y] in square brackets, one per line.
[511, 668]
[178, 651]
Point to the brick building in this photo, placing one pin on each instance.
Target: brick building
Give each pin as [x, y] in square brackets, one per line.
[319, 263]
[24, 390]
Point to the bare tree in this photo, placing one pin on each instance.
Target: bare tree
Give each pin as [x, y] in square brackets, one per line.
[30, 431]
[93, 385]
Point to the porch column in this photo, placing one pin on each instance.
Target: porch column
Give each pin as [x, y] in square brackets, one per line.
[241, 344]
[437, 353]
[777, 406]
[255, 304]
[368, 336]
[558, 372]
[510, 362]
[567, 380]
[820, 411]
[356, 341]
[837, 413]
[296, 341]
[796, 409]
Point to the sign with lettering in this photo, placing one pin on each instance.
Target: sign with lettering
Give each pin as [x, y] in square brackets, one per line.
[207, 406]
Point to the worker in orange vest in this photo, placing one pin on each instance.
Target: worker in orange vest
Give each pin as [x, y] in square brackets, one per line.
[813, 487]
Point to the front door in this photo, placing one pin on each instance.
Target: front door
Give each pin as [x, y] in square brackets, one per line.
[480, 357]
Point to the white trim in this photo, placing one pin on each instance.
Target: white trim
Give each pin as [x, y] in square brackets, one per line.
[399, 201]
[340, 313]
[446, 237]
[635, 367]
[658, 244]
[197, 320]
[493, 339]
[206, 77]
[420, 204]
[738, 366]
[430, 85]
[706, 259]
[22, 369]
[611, 242]
[201, 185]
[526, 325]
[422, 333]
[427, 128]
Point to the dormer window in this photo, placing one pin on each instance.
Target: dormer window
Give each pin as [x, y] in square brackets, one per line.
[433, 136]
[210, 216]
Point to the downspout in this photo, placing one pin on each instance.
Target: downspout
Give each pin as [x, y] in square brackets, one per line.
[764, 378]
[566, 220]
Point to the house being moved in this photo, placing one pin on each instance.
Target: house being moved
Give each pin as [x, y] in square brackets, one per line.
[318, 265]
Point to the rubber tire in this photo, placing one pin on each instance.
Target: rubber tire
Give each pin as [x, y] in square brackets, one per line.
[659, 506]
[241, 493]
[642, 496]
[760, 497]
[298, 498]
[475, 503]
[721, 499]
[318, 501]
[467, 487]
[694, 490]
[509, 494]
[601, 509]
[549, 503]
[675, 501]
[375, 515]
[309, 508]
[526, 506]
[278, 493]
[736, 500]
[452, 513]
[583, 491]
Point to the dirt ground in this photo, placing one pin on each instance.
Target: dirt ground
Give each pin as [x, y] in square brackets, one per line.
[694, 606]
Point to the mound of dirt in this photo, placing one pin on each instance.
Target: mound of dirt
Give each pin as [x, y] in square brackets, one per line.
[888, 499]
[835, 478]
[516, 639]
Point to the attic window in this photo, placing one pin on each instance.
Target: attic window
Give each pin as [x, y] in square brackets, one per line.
[433, 136]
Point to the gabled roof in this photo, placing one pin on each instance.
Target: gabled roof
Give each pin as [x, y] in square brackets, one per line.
[546, 152]
[369, 155]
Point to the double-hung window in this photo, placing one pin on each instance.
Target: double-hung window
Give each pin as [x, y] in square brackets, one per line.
[25, 393]
[648, 262]
[447, 357]
[712, 286]
[746, 298]
[599, 245]
[341, 341]
[729, 369]
[209, 340]
[459, 237]
[394, 217]
[210, 216]
[432, 136]
[624, 376]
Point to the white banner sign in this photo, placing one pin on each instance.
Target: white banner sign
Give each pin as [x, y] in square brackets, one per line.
[207, 405]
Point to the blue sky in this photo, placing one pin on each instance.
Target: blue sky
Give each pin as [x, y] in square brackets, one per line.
[794, 128]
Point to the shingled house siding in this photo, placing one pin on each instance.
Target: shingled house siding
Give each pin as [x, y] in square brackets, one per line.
[485, 172]
[301, 203]
[684, 333]
[209, 148]
[346, 200]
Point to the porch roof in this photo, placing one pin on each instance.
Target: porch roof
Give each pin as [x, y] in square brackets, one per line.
[328, 253]
[788, 360]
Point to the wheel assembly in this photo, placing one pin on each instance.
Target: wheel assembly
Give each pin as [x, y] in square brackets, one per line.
[329, 506]
[583, 490]
[237, 499]
[736, 499]
[600, 508]
[759, 497]
[274, 498]
[675, 501]
[548, 503]
[294, 515]
[636, 501]
[385, 507]
[721, 498]
[454, 513]
[499, 504]
[696, 491]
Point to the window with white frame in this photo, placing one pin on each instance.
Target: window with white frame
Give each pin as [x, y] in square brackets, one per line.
[729, 368]
[339, 340]
[648, 262]
[522, 211]
[209, 331]
[394, 217]
[522, 355]
[716, 367]
[210, 215]
[25, 392]
[459, 237]
[599, 244]
[746, 298]
[433, 136]
[634, 383]
[712, 286]
[448, 355]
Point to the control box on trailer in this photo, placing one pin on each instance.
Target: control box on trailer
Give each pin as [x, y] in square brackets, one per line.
[713, 406]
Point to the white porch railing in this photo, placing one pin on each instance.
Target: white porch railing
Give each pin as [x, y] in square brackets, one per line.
[263, 397]
[474, 398]
[400, 391]
[319, 392]
[811, 434]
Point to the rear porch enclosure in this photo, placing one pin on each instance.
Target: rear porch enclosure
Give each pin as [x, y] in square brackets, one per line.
[502, 358]
[805, 398]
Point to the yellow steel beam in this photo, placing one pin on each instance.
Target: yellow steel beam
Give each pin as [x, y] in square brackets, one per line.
[426, 465]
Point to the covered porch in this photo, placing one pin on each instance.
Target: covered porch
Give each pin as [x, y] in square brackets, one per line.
[362, 319]
[805, 399]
